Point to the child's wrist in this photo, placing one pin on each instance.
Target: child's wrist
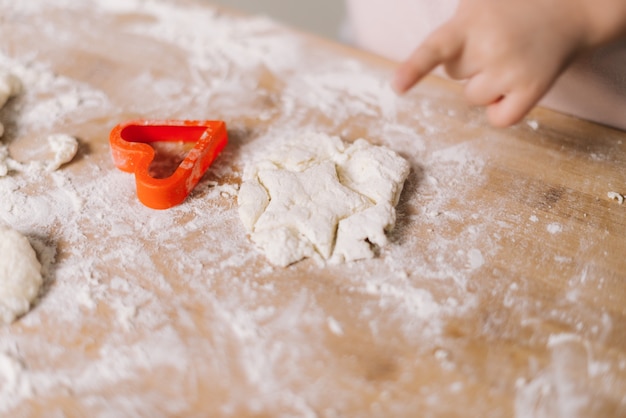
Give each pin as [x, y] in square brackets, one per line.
[605, 20]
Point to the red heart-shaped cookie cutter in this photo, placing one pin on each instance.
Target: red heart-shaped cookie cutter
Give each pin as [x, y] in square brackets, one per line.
[131, 153]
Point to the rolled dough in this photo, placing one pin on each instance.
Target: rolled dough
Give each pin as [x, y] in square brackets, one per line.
[316, 196]
[20, 275]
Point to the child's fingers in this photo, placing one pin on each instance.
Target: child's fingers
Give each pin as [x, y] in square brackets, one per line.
[512, 107]
[482, 90]
[442, 46]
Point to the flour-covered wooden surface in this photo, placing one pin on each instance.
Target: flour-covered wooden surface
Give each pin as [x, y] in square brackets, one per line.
[502, 292]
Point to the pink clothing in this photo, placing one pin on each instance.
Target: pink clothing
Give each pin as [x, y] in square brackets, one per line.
[593, 88]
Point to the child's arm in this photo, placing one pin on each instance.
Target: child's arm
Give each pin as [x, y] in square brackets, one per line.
[511, 52]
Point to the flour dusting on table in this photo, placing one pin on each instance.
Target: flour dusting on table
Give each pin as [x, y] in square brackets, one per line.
[134, 295]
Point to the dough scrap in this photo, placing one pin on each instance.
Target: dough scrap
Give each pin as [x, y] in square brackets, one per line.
[9, 87]
[20, 275]
[316, 196]
[64, 147]
[618, 197]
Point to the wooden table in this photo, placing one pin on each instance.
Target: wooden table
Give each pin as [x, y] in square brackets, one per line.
[502, 293]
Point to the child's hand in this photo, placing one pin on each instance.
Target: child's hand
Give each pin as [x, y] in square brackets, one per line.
[510, 52]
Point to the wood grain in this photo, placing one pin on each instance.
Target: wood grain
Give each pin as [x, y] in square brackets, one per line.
[503, 291]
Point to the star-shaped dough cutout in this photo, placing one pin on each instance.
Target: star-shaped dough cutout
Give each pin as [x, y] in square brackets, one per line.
[316, 196]
[309, 203]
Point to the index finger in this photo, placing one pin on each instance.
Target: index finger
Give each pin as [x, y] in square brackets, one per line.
[441, 46]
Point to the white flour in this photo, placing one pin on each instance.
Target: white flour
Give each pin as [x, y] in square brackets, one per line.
[121, 319]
